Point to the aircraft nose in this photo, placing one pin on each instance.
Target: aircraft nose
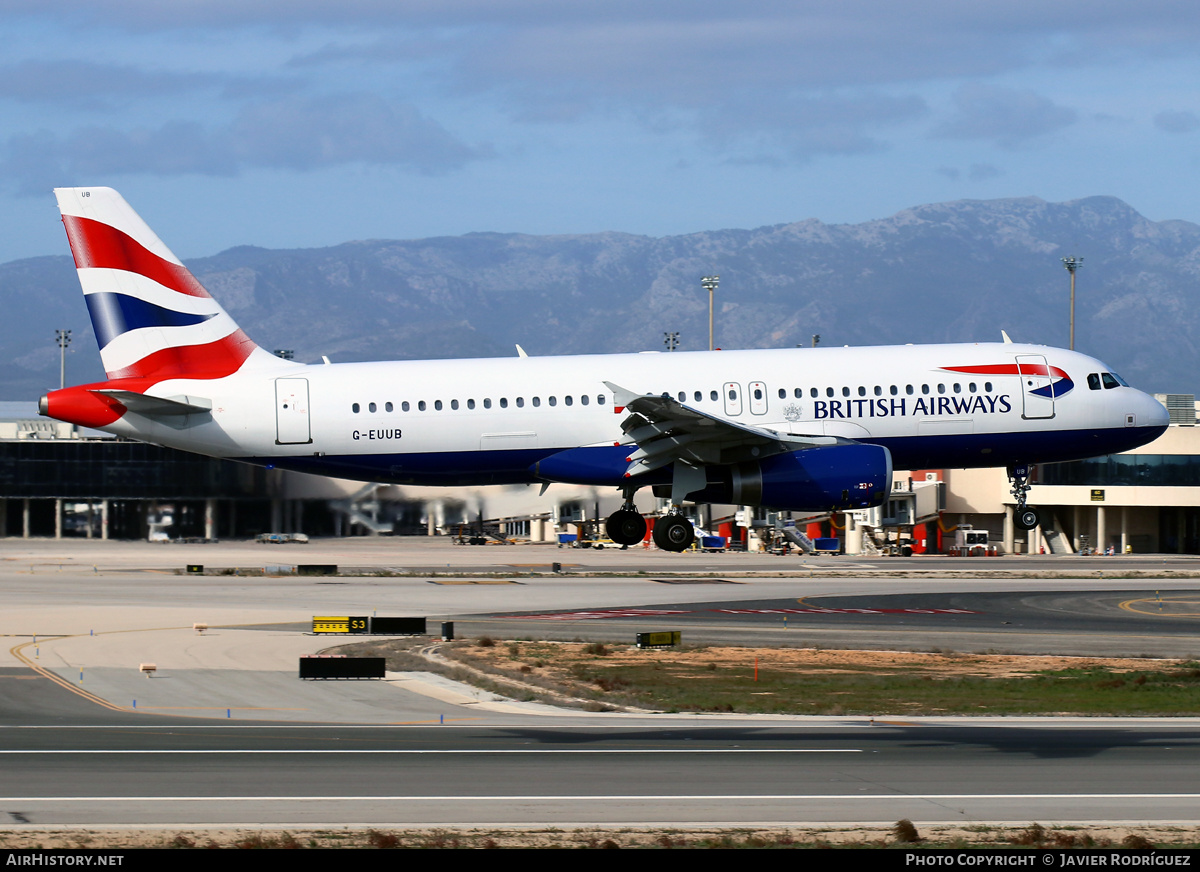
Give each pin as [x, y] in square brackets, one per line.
[1153, 413]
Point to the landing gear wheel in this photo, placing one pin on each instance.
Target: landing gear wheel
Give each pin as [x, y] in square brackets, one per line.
[1027, 518]
[626, 527]
[673, 533]
[1024, 518]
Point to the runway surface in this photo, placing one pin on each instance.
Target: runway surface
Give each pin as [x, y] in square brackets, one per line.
[225, 733]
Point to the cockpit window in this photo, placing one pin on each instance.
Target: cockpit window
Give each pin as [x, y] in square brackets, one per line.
[1110, 381]
[1120, 380]
[1094, 381]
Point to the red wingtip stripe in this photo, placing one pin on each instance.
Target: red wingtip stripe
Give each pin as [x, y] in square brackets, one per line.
[100, 246]
[214, 360]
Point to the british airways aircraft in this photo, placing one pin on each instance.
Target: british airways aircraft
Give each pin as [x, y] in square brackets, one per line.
[802, 429]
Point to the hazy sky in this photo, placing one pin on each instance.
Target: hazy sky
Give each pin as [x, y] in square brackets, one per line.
[313, 122]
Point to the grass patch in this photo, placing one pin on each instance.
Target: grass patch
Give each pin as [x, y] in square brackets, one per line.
[787, 681]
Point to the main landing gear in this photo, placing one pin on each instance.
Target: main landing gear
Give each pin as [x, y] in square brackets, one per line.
[673, 533]
[626, 526]
[1025, 518]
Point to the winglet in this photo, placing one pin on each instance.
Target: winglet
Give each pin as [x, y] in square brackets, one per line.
[521, 352]
[1007, 341]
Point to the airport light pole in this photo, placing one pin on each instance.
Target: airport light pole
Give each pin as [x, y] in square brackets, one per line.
[709, 283]
[1072, 263]
[63, 338]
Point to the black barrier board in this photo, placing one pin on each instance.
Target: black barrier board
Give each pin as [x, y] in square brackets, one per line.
[659, 640]
[317, 569]
[342, 667]
[398, 626]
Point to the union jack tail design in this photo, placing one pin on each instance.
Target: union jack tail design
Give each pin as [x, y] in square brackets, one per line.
[153, 319]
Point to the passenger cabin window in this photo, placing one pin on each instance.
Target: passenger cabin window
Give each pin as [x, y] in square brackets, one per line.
[405, 406]
[437, 405]
[470, 404]
[355, 408]
[504, 402]
[371, 407]
[388, 407]
[454, 404]
[584, 399]
[599, 399]
[421, 406]
[712, 395]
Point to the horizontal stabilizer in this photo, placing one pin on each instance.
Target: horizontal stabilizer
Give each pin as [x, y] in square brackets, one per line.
[153, 407]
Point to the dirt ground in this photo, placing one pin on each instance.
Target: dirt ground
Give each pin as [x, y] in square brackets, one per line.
[801, 660]
[984, 836]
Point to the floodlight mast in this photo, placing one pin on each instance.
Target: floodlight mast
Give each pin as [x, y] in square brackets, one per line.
[63, 338]
[709, 283]
[1072, 263]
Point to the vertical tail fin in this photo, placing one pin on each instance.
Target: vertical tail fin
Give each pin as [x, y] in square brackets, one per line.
[151, 316]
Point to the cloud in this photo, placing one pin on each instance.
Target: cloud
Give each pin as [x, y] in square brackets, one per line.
[983, 172]
[1177, 122]
[799, 128]
[84, 83]
[307, 133]
[296, 134]
[1005, 116]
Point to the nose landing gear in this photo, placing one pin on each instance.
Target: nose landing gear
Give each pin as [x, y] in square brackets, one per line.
[1025, 517]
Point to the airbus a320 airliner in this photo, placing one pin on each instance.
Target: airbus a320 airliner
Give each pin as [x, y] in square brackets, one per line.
[802, 429]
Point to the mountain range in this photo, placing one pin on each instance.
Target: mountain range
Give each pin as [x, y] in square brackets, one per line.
[946, 272]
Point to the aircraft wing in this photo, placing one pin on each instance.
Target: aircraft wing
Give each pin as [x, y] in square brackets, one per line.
[666, 430]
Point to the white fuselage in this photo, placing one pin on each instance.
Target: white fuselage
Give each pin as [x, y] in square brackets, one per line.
[490, 420]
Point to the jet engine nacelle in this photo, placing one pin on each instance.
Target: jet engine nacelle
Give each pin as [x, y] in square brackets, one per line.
[851, 476]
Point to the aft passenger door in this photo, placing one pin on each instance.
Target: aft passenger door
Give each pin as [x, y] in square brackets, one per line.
[291, 412]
